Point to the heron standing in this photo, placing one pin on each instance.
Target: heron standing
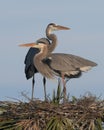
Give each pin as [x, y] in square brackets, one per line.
[51, 42]
[59, 64]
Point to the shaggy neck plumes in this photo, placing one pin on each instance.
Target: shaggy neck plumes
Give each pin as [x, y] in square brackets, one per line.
[43, 68]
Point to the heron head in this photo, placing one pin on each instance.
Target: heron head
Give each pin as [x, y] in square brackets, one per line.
[55, 27]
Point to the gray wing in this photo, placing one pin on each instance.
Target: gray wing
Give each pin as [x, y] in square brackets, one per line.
[30, 69]
[68, 62]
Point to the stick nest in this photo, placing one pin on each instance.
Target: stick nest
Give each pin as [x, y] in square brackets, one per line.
[78, 114]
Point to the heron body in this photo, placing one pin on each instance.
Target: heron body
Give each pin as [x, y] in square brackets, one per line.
[30, 69]
[51, 42]
[59, 64]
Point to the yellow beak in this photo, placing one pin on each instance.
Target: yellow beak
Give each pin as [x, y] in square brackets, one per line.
[29, 45]
[59, 27]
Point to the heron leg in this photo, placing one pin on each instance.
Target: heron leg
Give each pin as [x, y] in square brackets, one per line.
[33, 82]
[44, 84]
[66, 80]
[64, 89]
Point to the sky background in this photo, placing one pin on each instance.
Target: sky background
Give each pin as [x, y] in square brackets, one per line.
[25, 21]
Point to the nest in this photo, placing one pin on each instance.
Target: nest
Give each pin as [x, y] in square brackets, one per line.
[86, 113]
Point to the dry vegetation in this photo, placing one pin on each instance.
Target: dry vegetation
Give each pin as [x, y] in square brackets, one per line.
[86, 113]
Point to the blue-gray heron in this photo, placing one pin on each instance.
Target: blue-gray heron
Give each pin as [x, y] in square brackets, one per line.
[59, 64]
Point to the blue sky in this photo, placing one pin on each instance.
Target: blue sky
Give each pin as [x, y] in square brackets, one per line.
[25, 21]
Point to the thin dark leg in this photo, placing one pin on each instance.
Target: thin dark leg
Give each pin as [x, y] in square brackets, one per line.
[33, 81]
[44, 84]
[66, 80]
[64, 89]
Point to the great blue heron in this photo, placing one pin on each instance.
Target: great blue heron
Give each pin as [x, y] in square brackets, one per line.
[59, 64]
[51, 40]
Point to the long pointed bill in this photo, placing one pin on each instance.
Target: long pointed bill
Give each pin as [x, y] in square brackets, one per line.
[59, 27]
[29, 45]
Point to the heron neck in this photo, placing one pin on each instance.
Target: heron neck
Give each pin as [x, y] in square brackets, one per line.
[42, 54]
[53, 39]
